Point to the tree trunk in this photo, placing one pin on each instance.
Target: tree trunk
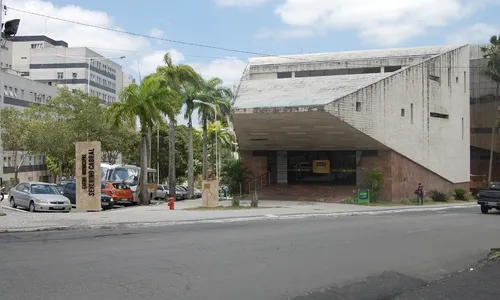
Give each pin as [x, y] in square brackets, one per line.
[60, 171]
[205, 150]
[493, 133]
[143, 184]
[171, 159]
[190, 159]
[149, 147]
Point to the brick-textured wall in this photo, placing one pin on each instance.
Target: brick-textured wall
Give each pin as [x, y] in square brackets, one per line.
[256, 164]
[401, 175]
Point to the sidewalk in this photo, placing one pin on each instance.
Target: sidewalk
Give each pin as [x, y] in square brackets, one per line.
[158, 215]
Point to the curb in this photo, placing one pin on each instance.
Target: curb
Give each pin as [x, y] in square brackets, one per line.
[229, 220]
[14, 209]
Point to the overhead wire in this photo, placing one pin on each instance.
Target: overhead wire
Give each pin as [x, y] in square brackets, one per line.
[297, 57]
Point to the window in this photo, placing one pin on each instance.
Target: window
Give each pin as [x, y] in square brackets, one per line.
[434, 78]
[15, 92]
[440, 116]
[9, 162]
[284, 75]
[456, 79]
[402, 112]
[60, 75]
[22, 93]
[24, 57]
[389, 69]
[74, 75]
[411, 113]
[302, 74]
[358, 106]
[5, 161]
[37, 46]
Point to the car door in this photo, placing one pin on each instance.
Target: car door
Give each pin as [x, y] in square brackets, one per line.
[17, 194]
[24, 195]
[69, 192]
[160, 192]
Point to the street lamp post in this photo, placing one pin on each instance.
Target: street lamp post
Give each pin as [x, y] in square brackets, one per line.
[89, 61]
[216, 137]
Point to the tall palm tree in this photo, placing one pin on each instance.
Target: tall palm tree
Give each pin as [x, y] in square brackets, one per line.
[148, 102]
[217, 96]
[189, 95]
[176, 78]
[492, 70]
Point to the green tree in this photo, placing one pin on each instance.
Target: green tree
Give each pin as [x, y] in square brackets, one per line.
[176, 78]
[225, 141]
[216, 106]
[17, 128]
[148, 102]
[234, 174]
[492, 70]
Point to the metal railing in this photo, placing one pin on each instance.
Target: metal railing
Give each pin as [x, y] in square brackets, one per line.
[255, 184]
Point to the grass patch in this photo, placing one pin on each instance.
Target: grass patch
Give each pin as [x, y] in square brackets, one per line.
[219, 208]
[494, 253]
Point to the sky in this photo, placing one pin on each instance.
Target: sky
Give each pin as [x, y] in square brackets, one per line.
[252, 28]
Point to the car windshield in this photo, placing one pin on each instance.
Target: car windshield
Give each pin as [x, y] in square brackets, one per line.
[128, 175]
[44, 189]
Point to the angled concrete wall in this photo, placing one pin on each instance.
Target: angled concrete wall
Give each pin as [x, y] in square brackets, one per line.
[437, 85]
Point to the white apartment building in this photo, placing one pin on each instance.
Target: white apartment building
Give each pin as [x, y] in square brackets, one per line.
[127, 79]
[402, 111]
[45, 60]
[21, 92]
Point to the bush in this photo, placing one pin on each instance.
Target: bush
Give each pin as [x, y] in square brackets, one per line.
[460, 194]
[350, 200]
[374, 180]
[438, 196]
[234, 174]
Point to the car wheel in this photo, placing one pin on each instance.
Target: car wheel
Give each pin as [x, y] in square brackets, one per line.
[484, 209]
[32, 207]
[12, 202]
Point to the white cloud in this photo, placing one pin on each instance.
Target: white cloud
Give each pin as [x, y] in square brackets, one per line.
[228, 69]
[385, 22]
[75, 35]
[156, 32]
[240, 2]
[476, 33]
[149, 62]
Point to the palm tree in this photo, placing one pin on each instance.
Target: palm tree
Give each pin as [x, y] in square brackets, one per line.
[217, 104]
[176, 78]
[190, 94]
[492, 70]
[148, 102]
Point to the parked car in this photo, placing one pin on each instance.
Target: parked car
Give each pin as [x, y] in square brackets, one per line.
[196, 192]
[38, 196]
[69, 191]
[490, 198]
[180, 191]
[162, 193]
[119, 191]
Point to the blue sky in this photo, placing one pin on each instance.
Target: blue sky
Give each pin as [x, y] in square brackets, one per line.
[260, 26]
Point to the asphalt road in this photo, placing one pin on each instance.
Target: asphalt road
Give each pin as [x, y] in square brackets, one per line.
[364, 257]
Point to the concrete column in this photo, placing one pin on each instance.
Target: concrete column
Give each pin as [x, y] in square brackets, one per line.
[359, 175]
[282, 167]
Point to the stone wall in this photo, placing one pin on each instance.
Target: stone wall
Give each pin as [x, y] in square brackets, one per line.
[401, 175]
[256, 164]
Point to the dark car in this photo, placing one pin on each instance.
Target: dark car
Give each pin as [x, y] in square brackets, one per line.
[490, 198]
[69, 191]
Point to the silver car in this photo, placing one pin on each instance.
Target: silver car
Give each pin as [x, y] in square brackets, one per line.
[38, 196]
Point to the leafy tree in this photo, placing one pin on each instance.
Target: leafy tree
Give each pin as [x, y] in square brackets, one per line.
[225, 140]
[176, 78]
[234, 174]
[148, 102]
[118, 141]
[492, 70]
[217, 105]
[17, 127]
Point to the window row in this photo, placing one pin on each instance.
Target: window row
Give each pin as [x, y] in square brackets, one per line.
[103, 67]
[31, 160]
[14, 92]
[102, 96]
[336, 72]
[102, 81]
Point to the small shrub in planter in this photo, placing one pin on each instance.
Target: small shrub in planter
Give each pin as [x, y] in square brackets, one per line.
[460, 194]
[438, 196]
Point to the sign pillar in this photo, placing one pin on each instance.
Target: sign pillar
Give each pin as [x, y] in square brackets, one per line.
[88, 176]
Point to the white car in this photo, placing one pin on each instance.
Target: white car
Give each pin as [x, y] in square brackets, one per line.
[38, 196]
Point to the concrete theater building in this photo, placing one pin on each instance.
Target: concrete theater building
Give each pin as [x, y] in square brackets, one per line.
[311, 125]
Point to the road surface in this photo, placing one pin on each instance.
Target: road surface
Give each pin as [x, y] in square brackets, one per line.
[364, 257]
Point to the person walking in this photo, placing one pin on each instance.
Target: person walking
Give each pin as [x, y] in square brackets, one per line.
[420, 192]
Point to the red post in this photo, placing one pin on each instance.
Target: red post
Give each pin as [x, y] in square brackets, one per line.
[171, 203]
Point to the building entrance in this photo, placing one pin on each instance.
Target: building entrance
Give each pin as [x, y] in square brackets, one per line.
[322, 167]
